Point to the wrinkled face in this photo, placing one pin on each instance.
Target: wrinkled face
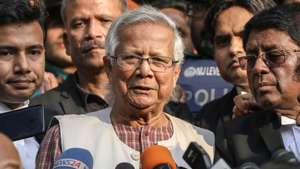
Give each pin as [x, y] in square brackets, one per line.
[87, 22]
[55, 48]
[274, 85]
[142, 88]
[181, 21]
[228, 44]
[22, 60]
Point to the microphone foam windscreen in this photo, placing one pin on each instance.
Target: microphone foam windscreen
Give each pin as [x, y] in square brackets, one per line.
[155, 155]
[74, 158]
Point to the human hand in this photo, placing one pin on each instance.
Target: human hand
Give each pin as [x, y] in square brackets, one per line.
[243, 104]
[50, 82]
[178, 95]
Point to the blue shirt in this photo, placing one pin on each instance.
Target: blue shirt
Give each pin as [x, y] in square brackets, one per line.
[290, 133]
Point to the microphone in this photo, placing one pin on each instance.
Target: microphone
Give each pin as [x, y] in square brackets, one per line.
[197, 157]
[74, 158]
[248, 165]
[157, 157]
[124, 165]
[284, 156]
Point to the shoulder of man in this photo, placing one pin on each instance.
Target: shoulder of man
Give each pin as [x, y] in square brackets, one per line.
[54, 95]
[211, 112]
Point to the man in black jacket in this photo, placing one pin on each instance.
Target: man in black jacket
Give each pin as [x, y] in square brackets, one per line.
[86, 24]
[272, 61]
[224, 27]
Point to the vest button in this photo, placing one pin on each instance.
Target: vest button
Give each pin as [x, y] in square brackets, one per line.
[135, 156]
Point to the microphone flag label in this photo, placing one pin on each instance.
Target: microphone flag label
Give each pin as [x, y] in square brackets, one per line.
[71, 163]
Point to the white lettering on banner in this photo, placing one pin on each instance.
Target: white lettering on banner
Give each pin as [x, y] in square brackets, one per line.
[189, 95]
[201, 71]
[203, 96]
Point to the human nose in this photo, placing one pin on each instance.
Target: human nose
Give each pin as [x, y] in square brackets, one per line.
[260, 66]
[236, 47]
[95, 29]
[21, 64]
[144, 67]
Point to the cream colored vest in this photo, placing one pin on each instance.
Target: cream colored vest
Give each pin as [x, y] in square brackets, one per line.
[95, 133]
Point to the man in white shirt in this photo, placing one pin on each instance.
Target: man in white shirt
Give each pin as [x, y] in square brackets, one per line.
[22, 59]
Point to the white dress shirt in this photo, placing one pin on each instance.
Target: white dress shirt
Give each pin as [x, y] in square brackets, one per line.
[28, 147]
[290, 133]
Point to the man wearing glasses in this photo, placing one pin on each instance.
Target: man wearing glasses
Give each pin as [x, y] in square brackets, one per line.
[272, 61]
[143, 67]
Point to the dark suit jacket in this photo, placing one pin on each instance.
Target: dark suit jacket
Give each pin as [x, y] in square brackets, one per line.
[65, 99]
[254, 137]
[212, 116]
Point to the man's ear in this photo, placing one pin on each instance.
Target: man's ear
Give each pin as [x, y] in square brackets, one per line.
[177, 70]
[67, 44]
[107, 65]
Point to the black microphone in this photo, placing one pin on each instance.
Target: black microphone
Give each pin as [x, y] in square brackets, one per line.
[248, 165]
[197, 157]
[163, 166]
[282, 159]
[124, 165]
[284, 156]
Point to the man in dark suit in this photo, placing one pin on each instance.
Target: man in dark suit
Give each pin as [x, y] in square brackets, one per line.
[86, 24]
[224, 26]
[272, 61]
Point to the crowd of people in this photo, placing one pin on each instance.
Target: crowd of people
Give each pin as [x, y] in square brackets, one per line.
[106, 73]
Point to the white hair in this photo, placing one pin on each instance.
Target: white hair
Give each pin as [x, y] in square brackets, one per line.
[64, 3]
[145, 14]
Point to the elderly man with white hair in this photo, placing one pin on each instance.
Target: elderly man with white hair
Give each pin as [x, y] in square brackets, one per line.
[143, 56]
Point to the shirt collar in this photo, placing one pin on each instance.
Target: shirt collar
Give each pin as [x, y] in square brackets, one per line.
[84, 95]
[4, 108]
[287, 121]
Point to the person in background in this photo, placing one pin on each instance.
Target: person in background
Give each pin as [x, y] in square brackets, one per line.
[87, 90]
[58, 64]
[197, 13]
[9, 157]
[22, 62]
[272, 61]
[224, 29]
[57, 61]
[177, 11]
[143, 55]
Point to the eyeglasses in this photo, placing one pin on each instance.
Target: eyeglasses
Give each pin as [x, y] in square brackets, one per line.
[272, 58]
[132, 61]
